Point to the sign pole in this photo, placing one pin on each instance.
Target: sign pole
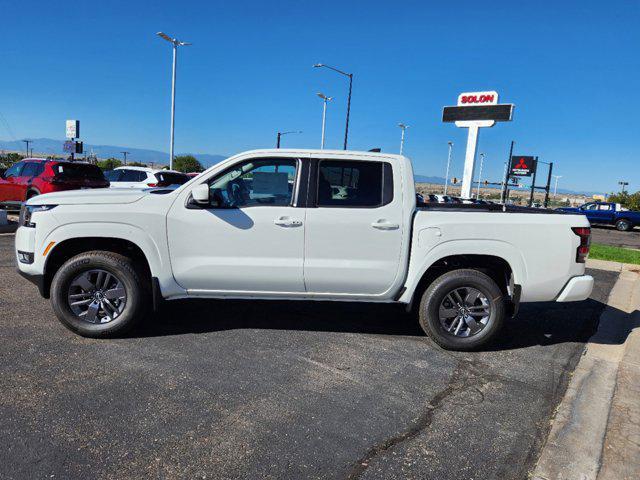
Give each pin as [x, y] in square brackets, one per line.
[469, 162]
[505, 188]
[533, 183]
[546, 195]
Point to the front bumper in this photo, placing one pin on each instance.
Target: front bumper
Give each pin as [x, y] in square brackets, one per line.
[37, 280]
[576, 289]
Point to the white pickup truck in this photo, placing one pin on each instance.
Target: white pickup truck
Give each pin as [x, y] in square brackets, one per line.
[299, 224]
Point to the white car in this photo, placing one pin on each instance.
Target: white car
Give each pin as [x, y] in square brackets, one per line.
[144, 177]
[299, 224]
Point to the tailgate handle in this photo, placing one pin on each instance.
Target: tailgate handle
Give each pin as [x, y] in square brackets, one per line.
[384, 225]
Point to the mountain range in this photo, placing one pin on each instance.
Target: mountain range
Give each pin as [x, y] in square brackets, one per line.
[49, 146]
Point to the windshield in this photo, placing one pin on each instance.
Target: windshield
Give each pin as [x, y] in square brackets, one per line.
[78, 170]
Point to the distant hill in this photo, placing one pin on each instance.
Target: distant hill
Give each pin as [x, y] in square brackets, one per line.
[49, 146]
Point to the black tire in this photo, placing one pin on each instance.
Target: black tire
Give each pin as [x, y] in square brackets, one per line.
[124, 270]
[434, 295]
[624, 225]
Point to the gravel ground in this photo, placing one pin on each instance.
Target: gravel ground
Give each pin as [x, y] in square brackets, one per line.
[213, 389]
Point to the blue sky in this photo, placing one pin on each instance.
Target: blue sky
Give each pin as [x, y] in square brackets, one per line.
[572, 68]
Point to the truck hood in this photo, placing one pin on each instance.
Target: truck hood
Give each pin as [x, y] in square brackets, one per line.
[94, 196]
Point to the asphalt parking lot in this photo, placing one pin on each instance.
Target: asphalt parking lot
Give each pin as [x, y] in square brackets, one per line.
[610, 236]
[212, 389]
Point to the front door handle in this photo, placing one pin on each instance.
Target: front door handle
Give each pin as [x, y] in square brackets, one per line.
[384, 225]
[287, 222]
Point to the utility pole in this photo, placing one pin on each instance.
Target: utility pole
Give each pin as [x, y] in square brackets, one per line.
[176, 43]
[446, 177]
[125, 156]
[27, 142]
[404, 128]
[623, 183]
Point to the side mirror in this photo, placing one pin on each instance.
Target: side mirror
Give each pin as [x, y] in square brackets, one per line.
[200, 194]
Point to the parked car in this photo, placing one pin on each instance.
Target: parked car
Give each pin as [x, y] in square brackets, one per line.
[144, 177]
[269, 224]
[35, 176]
[607, 213]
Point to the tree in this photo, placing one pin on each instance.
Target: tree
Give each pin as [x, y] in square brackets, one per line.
[187, 163]
[10, 158]
[626, 199]
[109, 164]
[136, 164]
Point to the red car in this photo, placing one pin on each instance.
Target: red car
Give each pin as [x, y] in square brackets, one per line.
[33, 176]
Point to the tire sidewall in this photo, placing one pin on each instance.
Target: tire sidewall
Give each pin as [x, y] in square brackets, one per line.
[435, 294]
[81, 263]
[623, 225]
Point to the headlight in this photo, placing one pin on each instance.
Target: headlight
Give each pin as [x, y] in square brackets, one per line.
[28, 210]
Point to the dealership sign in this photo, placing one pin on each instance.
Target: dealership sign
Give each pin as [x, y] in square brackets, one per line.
[73, 129]
[473, 111]
[523, 166]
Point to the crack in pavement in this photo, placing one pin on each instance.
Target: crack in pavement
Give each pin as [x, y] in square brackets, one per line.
[458, 381]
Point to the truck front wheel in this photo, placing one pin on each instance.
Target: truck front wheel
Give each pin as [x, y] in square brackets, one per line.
[98, 294]
[623, 225]
[462, 310]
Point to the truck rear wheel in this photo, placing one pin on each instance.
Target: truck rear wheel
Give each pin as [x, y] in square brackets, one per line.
[99, 294]
[623, 225]
[462, 310]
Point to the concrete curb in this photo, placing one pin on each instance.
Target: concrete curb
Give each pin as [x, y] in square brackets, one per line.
[596, 430]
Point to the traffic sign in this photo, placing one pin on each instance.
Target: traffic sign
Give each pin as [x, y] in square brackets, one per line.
[523, 165]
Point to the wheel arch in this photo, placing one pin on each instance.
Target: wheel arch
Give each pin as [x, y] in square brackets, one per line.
[65, 249]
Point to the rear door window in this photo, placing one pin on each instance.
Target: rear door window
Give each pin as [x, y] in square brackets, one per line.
[30, 170]
[133, 176]
[354, 184]
[78, 171]
[171, 178]
[113, 175]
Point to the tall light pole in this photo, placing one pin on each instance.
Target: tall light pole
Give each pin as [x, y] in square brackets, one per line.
[404, 128]
[284, 133]
[480, 176]
[176, 43]
[623, 183]
[446, 178]
[27, 142]
[555, 188]
[325, 100]
[125, 156]
[350, 75]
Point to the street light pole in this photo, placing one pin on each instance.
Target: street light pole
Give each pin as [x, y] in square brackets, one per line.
[480, 176]
[555, 188]
[350, 75]
[125, 156]
[403, 127]
[446, 178]
[284, 133]
[176, 43]
[325, 100]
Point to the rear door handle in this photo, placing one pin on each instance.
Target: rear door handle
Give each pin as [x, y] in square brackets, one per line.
[384, 225]
[287, 222]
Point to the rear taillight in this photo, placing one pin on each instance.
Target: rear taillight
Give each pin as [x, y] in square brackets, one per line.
[585, 240]
[152, 184]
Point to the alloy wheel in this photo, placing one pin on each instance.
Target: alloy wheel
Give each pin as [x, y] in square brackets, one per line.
[464, 312]
[97, 296]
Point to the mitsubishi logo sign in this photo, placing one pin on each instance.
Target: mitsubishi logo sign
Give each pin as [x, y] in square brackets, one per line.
[522, 166]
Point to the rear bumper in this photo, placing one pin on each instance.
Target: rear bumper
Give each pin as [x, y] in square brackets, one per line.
[576, 289]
